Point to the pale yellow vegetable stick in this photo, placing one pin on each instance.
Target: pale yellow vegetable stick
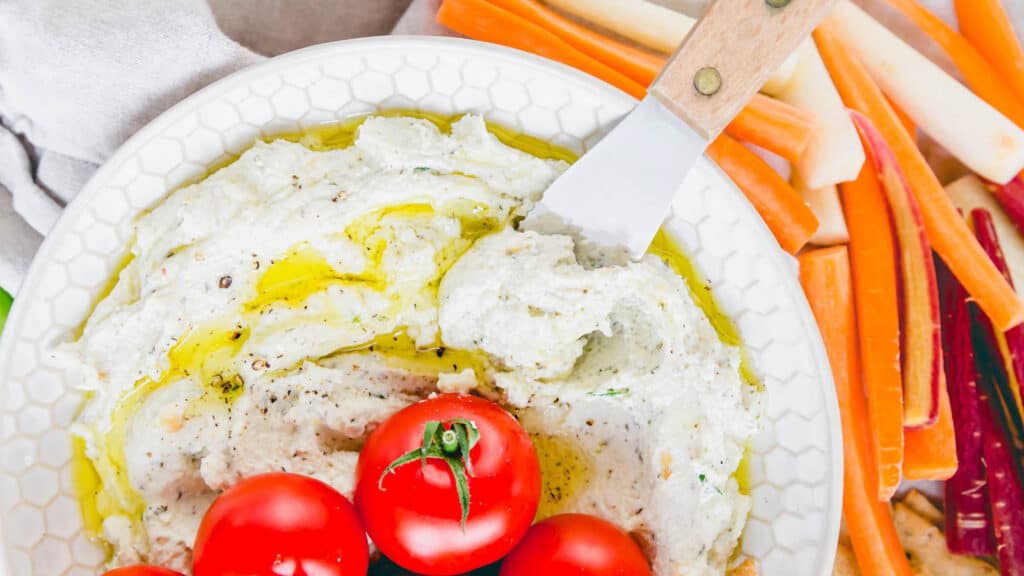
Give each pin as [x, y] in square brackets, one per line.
[651, 25]
[835, 153]
[972, 130]
[824, 202]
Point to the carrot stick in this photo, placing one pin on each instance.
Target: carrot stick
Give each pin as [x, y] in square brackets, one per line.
[527, 25]
[981, 76]
[780, 206]
[921, 342]
[1010, 343]
[905, 120]
[948, 232]
[1006, 494]
[988, 28]
[774, 125]
[825, 276]
[968, 521]
[1002, 447]
[482, 20]
[637, 64]
[873, 257]
[931, 452]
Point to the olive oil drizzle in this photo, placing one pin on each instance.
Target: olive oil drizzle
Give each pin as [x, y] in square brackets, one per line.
[565, 471]
[209, 353]
[102, 482]
[400, 352]
[206, 354]
[664, 247]
[343, 135]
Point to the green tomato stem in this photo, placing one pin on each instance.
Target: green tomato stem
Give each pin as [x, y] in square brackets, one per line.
[450, 442]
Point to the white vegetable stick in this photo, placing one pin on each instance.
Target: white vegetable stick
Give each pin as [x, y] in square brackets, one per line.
[982, 138]
[654, 26]
[777, 163]
[834, 153]
[782, 76]
[969, 193]
[824, 202]
[651, 25]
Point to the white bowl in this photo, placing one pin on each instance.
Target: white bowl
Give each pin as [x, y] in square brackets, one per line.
[795, 465]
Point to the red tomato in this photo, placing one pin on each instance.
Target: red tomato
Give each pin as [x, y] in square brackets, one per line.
[576, 545]
[414, 512]
[281, 525]
[142, 571]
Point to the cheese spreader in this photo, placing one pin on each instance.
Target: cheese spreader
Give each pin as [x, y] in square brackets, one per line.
[619, 192]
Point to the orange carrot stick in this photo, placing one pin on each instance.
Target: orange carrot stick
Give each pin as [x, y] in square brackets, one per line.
[774, 125]
[482, 20]
[988, 28]
[527, 25]
[825, 276]
[921, 341]
[905, 120]
[873, 257]
[981, 76]
[637, 64]
[946, 229]
[931, 452]
[780, 206]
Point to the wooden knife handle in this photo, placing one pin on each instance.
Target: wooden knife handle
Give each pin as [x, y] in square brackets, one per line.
[739, 43]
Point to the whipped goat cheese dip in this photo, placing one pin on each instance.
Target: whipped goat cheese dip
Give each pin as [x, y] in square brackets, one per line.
[273, 314]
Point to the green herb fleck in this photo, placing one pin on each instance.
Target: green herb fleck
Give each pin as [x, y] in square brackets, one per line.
[421, 169]
[702, 477]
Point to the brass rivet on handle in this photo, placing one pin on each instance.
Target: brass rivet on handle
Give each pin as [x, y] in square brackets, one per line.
[777, 3]
[707, 81]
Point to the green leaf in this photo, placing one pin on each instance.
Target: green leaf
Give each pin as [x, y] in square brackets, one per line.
[472, 430]
[430, 430]
[461, 486]
[5, 307]
[401, 461]
[466, 437]
[463, 436]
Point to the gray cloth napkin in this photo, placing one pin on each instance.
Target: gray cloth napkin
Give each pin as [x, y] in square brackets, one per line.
[78, 77]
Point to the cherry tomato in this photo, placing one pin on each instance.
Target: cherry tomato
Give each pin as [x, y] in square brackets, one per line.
[414, 508]
[142, 571]
[576, 545]
[282, 525]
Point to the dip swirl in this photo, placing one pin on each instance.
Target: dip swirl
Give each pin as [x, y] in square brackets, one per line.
[274, 313]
